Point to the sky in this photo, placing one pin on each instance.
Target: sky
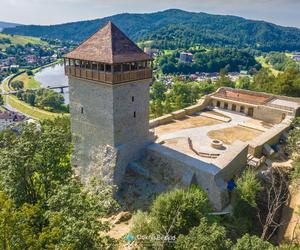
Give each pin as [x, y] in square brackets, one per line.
[282, 12]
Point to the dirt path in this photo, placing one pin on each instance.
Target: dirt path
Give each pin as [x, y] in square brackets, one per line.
[119, 225]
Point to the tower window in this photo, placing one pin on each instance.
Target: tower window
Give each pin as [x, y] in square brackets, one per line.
[134, 114]
[132, 98]
[81, 110]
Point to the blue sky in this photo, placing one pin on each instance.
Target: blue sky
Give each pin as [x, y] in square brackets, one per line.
[283, 12]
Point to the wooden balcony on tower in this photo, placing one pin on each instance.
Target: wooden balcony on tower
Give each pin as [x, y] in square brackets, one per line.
[108, 56]
[111, 74]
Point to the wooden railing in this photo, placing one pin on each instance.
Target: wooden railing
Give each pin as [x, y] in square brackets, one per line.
[109, 77]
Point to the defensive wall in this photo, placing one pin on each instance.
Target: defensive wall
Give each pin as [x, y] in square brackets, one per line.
[180, 170]
[176, 169]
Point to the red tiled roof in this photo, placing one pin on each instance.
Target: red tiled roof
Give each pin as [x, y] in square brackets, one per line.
[108, 45]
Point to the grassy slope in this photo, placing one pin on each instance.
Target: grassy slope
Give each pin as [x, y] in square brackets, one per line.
[22, 40]
[25, 108]
[262, 61]
[31, 111]
[29, 81]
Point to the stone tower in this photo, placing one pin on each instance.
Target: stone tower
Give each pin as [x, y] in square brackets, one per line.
[109, 78]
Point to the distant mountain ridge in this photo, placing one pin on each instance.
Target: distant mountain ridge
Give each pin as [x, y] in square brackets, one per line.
[4, 25]
[177, 28]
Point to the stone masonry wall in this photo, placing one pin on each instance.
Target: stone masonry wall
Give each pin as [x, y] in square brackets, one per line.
[268, 114]
[91, 120]
[179, 170]
[108, 115]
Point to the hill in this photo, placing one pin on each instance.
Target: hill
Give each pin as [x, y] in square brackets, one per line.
[7, 25]
[7, 40]
[176, 28]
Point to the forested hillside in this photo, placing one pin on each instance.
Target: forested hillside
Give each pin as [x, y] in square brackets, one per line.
[7, 25]
[176, 28]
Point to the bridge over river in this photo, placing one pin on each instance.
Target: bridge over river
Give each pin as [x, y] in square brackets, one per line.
[13, 92]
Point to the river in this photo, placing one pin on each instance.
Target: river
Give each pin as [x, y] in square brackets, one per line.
[54, 76]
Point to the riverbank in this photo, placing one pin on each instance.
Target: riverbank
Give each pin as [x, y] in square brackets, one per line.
[29, 83]
[36, 70]
[29, 80]
[31, 111]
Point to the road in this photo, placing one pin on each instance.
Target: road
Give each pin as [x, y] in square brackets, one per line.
[7, 106]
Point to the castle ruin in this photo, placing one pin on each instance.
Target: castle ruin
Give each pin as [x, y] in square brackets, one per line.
[109, 78]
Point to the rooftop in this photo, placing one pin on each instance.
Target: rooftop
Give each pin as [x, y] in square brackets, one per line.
[243, 96]
[108, 45]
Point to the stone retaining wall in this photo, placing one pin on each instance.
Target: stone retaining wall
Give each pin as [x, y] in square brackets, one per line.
[271, 137]
[203, 103]
[179, 170]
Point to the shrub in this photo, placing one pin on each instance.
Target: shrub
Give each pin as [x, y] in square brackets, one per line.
[248, 242]
[171, 214]
[248, 186]
[180, 210]
[17, 85]
[204, 236]
[244, 205]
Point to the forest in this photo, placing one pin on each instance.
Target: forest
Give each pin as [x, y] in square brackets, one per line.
[46, 99]
[173, 28]
[213, 60]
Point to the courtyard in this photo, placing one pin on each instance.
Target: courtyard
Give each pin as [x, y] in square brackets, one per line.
[195, 134]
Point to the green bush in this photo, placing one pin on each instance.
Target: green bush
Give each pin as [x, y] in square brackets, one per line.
[248, 187]
[248, 242]
[29, 73]
[17, 85]
[45, 99]
[244, 206]
[205, 236]
[171, 214]
[180, 210]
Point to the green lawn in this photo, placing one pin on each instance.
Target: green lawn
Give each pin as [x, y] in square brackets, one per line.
[168, 52]
[145, 43]
[22, 40]
[262, 61]
[29, 81]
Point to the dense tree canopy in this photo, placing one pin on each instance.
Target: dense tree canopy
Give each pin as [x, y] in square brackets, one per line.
[205, 236]
[248, 242]
[45, 99]
[180, 220]
[286, 83]
[279, 61]
[42, 205]
[173, 29]
[17, 85]
[214, 60]
[180, 95]
[172, 214]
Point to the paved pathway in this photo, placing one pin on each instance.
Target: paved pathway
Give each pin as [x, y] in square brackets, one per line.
[7, 106]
